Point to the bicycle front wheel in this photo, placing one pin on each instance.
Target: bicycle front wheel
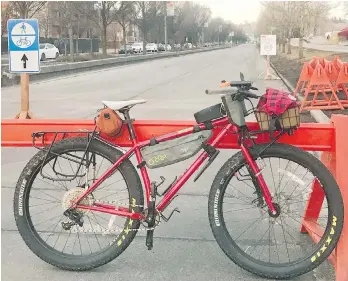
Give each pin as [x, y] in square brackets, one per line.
[275, 246]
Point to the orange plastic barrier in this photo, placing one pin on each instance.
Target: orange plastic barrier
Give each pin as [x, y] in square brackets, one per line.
[342, 77]
[305, 77]
[330, 138]
[324, 79]
[336, 161]
[18, 133]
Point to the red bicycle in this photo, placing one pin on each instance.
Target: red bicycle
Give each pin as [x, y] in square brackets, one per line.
[265, 236]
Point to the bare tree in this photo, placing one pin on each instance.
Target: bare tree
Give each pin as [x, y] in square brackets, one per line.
[66, 18]
[124, 17]
[146, 12]
[345, 7]
[7, 12]
[27, 9]
[114, 36]
[107, 11]
[87, 16]
[45, 20]
[290, 17]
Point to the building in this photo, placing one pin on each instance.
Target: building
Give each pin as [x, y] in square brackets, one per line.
[115, 35]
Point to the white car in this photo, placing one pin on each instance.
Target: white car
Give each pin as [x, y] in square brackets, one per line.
[48, 51]
[151, 47]
[137, 47]
[169, 48]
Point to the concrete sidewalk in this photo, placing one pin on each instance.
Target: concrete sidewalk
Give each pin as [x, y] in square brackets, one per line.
[322, 47]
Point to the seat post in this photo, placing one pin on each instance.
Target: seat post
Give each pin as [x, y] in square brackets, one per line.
[129, 122]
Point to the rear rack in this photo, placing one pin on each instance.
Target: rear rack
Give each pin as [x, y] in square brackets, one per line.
[40, 144]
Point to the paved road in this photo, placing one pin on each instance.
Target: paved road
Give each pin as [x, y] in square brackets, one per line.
[184, 248]
[320, 46]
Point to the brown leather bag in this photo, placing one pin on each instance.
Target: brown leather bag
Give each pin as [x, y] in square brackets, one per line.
[109, 122]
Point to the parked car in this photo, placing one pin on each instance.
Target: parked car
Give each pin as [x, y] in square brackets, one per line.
[177, 46]
[161, 47]
[137, 47]
[129, 49]
[48, 51]
[169, 48]
[188, 45]
[151, 47]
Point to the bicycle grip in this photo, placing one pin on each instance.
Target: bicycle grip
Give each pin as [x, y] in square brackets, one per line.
[220, 91]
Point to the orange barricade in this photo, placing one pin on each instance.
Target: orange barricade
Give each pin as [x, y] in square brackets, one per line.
[330, 138]
[323, 78]
[335, 160]
[342, 77]
[305, 77]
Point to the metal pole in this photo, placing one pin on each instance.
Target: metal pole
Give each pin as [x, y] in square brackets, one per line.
[165, 32]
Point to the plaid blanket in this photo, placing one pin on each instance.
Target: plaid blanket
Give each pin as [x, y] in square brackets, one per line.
[276, 102]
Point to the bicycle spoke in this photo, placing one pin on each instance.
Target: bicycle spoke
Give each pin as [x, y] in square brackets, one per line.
[286, 243]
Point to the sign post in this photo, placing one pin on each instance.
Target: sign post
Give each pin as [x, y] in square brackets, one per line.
[268, 47]
[24, 56]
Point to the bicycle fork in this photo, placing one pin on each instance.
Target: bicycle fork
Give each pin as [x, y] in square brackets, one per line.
[257, 174]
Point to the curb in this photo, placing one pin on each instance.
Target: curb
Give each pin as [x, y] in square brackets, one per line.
[318, 115]
[63, 69]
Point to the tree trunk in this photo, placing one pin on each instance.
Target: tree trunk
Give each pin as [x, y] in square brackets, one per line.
[289, 46]
[71, 39]
[300, 48]
[91, 37]
[65, 48]
[144, 43]
[104, 40]
[289, 42]
[124, 39]
[300, 44]
[315, 27]
[23, 11]
[77, 37]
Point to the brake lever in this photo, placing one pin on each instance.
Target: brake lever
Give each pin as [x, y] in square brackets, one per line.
[254, 88]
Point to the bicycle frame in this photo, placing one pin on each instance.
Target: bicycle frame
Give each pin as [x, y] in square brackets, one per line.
[169, 195]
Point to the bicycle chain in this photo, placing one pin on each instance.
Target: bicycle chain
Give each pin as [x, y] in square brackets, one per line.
[158, 222]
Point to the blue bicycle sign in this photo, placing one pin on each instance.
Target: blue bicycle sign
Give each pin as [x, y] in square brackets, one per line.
[23, 45]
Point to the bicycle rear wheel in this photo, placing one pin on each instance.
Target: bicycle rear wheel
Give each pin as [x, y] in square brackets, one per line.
[261, 243]
[39, 205]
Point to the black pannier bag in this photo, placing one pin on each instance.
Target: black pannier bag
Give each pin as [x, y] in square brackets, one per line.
[176, 150]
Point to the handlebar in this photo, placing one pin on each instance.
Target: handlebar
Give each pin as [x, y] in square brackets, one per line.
[225, 91]
[229, 91]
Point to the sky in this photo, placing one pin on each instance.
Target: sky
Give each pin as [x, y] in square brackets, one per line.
[236, 11]
[239, 11]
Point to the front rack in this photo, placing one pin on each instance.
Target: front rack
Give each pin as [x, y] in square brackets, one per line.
[40, 142]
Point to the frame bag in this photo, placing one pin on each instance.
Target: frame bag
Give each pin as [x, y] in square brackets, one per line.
[174, 151]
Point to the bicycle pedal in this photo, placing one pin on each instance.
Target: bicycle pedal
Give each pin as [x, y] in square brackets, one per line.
[149, 239]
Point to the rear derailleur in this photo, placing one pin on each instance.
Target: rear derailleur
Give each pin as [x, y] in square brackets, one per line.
[152, 216]
[75, 217]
